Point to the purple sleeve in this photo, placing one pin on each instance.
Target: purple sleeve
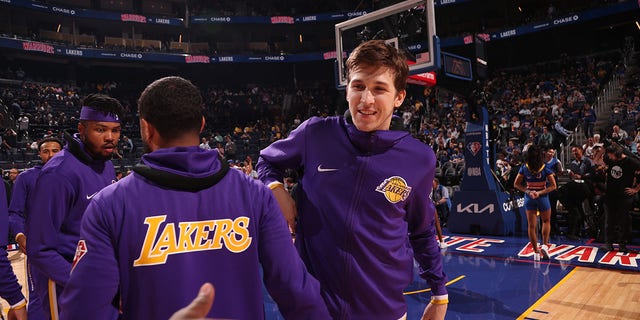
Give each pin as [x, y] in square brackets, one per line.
[51, 201]
[296, 292]
[17, 206]
[4, 215]
[10, 289]
[98, 264]
[282, 154]
[422, 234]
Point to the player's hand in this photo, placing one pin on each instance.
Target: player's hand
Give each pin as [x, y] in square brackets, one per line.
[17, 314]
[21, 239]
[434, 311]
[199, 307]
[288, 207]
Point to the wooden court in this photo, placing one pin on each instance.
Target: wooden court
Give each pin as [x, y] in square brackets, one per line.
[590, 293]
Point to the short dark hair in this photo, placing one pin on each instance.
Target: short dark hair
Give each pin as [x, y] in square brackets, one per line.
[615, 149]
[104, 103]
[49, 139]
[173, 105]
[376, 53]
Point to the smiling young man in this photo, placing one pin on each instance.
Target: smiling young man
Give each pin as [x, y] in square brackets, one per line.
[65, 186]
[364, 196]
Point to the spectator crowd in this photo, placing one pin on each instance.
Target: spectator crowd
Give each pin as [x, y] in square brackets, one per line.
[549, 105]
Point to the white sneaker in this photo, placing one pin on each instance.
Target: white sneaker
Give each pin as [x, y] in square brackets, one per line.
[544, 251]
[536, 257]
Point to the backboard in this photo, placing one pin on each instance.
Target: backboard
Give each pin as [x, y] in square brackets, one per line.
[409, 26]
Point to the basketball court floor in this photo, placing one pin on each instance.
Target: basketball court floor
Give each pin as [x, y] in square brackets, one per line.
[496, 278]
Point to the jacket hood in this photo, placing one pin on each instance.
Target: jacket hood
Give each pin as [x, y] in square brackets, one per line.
[183, 168]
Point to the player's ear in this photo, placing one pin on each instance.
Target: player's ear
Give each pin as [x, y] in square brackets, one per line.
[202, 125]
[145, 130]
[81, 127]
[399, 98]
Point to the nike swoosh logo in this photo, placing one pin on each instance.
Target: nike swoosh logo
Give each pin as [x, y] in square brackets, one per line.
[91, 196]
[321, 169]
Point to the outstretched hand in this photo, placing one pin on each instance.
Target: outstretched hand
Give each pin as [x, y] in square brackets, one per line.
[21, 239]
[199, 307]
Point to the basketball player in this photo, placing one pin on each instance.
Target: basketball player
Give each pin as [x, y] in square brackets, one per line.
[23, 186]
[10, 289]
[536, 180]
[364, 195]
[65, 186]
[181, 219]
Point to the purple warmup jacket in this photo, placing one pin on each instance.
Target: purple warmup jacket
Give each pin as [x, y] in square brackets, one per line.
[22, 187]
[66, 184]
[10, 289]
[363, 213]
[182, 219]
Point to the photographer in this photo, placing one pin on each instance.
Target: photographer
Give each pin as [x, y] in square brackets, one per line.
[573, 194]
[599, 182]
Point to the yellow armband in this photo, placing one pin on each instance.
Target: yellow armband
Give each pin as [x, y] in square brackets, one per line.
[439, 301]
[20, 305]
[275, 184]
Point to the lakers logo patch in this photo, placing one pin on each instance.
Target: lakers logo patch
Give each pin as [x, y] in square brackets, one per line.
[395, 189]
